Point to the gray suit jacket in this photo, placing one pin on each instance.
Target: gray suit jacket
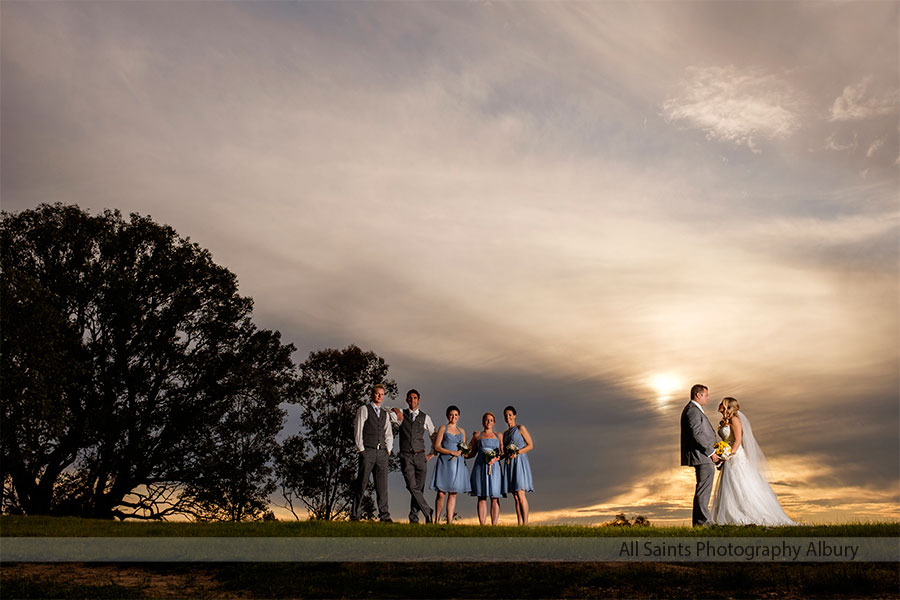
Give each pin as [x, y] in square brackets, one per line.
[698, 439]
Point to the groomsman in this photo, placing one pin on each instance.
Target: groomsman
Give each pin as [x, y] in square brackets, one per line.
[698, 450]
[415, 453]
[374, 441]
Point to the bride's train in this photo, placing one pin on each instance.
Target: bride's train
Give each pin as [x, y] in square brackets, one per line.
[742, 494]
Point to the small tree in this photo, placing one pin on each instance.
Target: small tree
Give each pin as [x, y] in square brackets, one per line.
[318, 466]
[621, 521]
[641, 521]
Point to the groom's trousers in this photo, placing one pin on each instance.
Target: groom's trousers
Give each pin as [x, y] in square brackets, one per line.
[414, 467]
[705, 474]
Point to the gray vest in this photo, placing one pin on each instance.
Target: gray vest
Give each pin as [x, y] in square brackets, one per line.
[373, 428]
[411, 432]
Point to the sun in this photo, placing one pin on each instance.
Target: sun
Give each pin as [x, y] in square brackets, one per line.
[664, 385]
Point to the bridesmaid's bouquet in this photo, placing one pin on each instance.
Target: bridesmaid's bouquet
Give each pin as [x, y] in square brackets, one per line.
[723, 449]
[464, 447]
[511, 451]
[489, 455]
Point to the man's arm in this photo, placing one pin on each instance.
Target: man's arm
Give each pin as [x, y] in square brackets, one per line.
[432, 434]
[389, 435]
[358, 423]
[429, 427]
[700, 433]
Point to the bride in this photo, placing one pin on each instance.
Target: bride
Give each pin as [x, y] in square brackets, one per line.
[742, 495]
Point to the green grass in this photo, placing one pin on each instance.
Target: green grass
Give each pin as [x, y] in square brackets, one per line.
[11, 526]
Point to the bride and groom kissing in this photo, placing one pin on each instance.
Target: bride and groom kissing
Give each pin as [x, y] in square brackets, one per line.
[743, 495]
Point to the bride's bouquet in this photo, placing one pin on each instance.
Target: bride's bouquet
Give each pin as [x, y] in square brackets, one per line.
[723, 449]
[464, 447]
[489, 455]
[511, 451]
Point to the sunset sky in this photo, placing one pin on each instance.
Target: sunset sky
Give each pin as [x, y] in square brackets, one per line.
[579, 208]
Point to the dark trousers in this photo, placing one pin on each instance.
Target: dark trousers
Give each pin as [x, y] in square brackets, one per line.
[705, 474]
[415, 467]
[372, 459]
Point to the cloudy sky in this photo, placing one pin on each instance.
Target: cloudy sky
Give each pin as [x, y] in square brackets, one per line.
[578, 208]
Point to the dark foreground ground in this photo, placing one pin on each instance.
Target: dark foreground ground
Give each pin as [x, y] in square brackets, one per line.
[451, 580]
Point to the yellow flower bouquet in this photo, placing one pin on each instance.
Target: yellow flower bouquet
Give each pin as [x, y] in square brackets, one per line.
[723, 449]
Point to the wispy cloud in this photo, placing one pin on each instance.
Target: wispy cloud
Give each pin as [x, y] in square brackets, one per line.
[842, 143]
[740, 106]
[874, 148]
[859, 102]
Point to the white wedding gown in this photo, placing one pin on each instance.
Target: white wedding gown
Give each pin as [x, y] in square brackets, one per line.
[742, 495]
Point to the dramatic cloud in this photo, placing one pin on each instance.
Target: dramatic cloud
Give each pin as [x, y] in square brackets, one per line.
[511, 203]
[740, 106]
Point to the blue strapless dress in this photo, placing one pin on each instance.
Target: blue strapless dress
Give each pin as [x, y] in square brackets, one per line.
[450, 475]
[487, 483]
[518, 469]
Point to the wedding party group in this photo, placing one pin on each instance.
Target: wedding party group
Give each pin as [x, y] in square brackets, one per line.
[742, 493]
[500, 468]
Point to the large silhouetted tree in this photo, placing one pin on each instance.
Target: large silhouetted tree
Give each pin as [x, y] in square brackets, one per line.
[318, 466]
[127, 363]
[235, 474]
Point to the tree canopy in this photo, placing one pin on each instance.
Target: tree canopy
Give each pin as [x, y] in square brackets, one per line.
[132, 376]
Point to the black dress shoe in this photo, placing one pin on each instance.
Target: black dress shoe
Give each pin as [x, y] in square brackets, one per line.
[428, 518]
[386, 520]
[354, 519]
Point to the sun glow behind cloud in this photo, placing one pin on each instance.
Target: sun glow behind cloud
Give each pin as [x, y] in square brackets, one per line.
[666, 388]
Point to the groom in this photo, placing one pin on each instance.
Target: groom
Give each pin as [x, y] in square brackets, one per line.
[414, 424]
[698, 450]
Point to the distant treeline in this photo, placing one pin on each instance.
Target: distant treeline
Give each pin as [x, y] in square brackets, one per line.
[134, 383]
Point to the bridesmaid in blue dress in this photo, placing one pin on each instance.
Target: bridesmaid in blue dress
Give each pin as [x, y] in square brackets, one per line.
[450, 475]
[487, 474]
[518, 469]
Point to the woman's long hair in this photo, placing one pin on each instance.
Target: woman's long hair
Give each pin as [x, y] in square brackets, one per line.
[732, 406]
